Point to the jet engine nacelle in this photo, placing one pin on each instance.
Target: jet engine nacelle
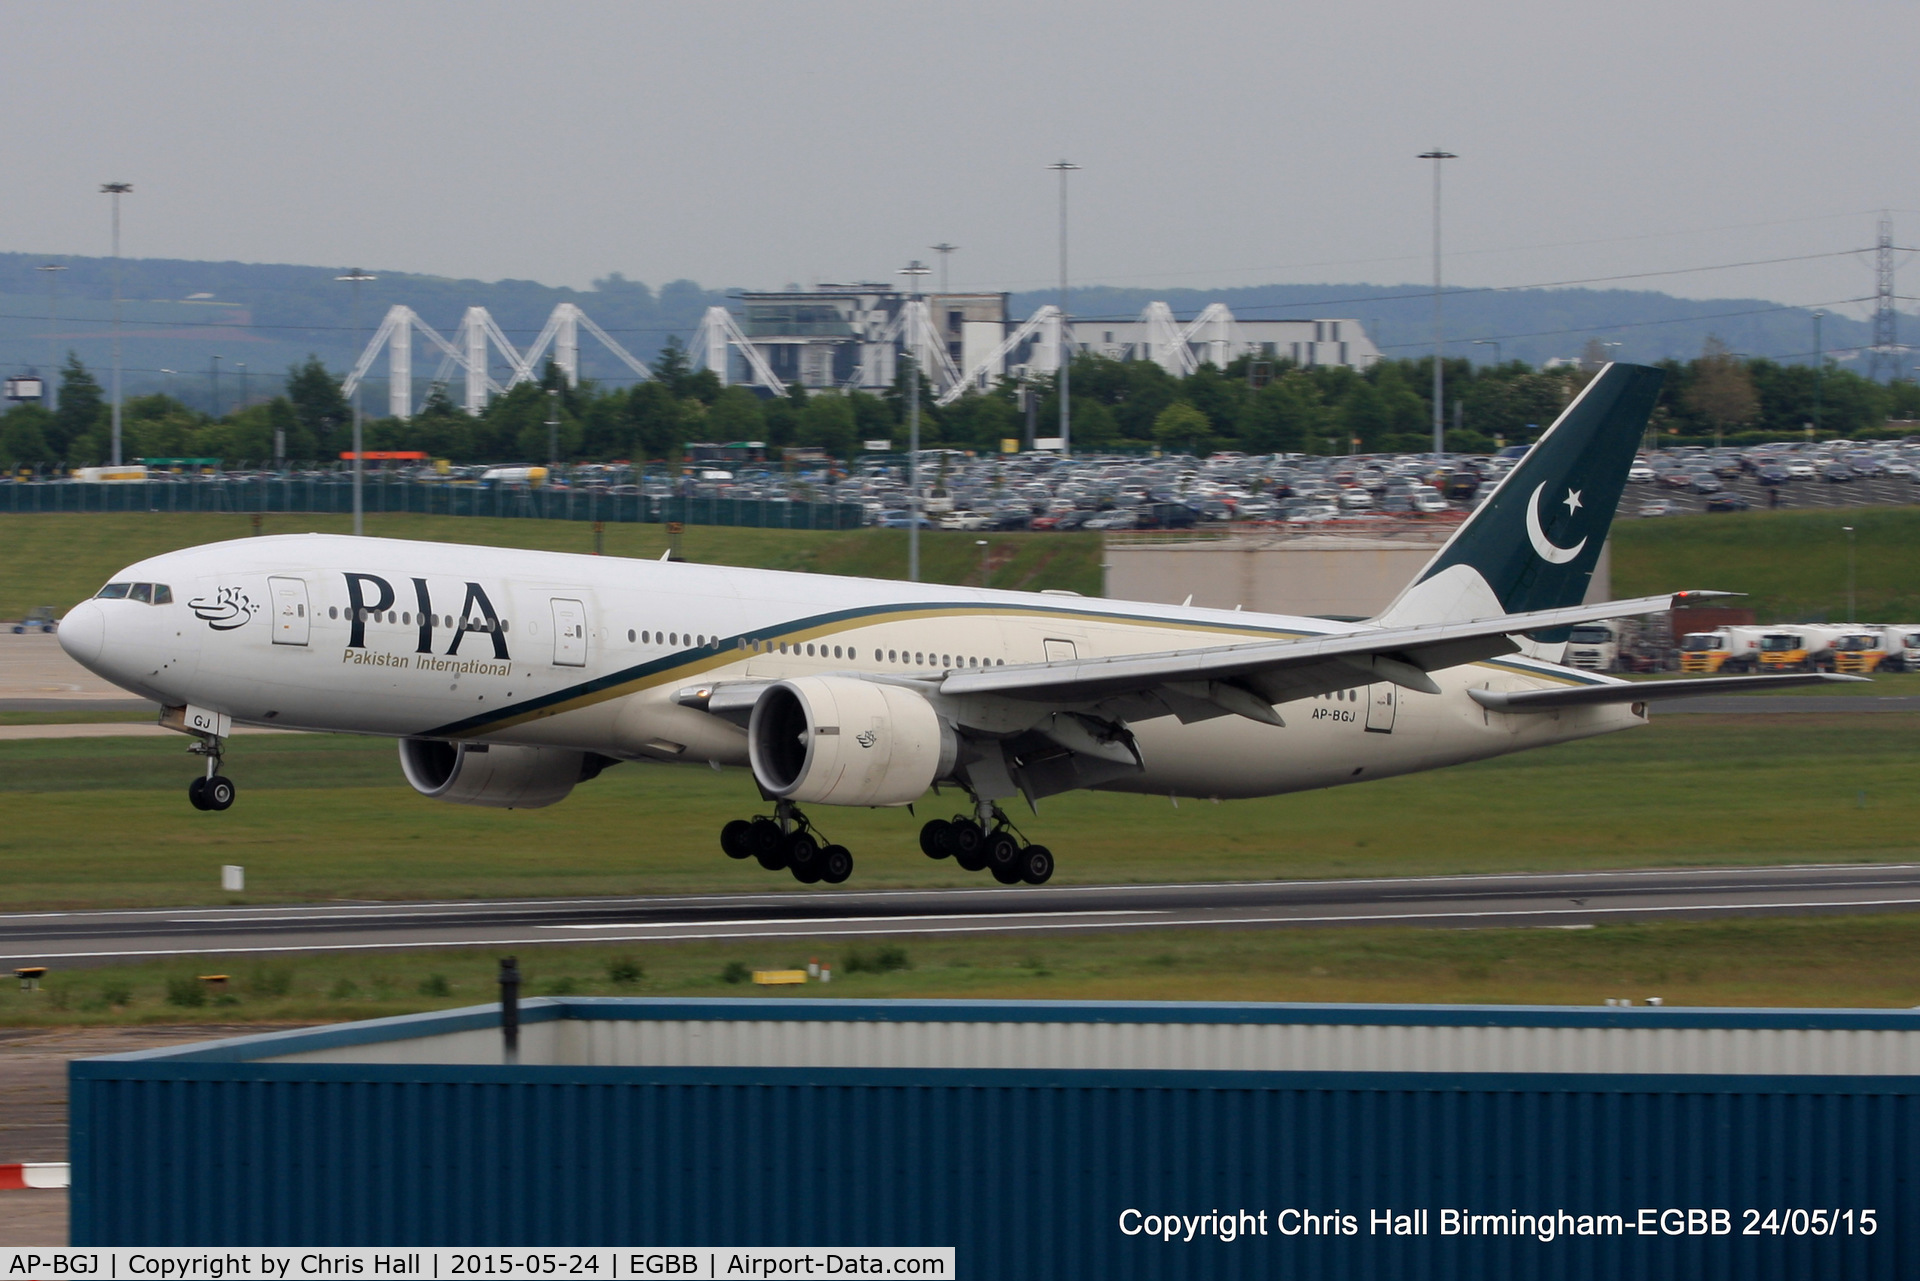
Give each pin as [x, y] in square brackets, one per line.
[520, 778]
[834, 740]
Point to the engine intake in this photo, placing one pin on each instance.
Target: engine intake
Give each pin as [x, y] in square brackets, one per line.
[522, 778]
[833, 740]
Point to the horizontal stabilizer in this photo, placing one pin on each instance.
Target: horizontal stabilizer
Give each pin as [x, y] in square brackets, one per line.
[1547, 700]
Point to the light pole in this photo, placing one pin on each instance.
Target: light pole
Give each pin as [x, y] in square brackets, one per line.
[981, 543]
[213, 384]
[1063, 168]
[913, 271]
[53, 270]
[116, 190]
[1493, 343]
[1819, 368]
[1852, 613]
[1439, 422]
[245, 392]
[355, 277]
[553, 433]
[943, 249]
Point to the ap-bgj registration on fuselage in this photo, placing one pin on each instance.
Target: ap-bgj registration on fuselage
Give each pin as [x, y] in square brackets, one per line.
[511, 676]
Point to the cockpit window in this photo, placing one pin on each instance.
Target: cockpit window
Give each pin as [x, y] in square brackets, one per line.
[145, 593]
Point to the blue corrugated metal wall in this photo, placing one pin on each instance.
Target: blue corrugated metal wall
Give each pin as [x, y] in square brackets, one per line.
[1026, 1172]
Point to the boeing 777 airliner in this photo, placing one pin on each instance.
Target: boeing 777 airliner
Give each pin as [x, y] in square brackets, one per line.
[509, 677]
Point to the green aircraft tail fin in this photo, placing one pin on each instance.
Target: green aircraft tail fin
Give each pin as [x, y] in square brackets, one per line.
[1534, 543]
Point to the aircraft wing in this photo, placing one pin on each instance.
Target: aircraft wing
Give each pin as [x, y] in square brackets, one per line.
[1546, 700]
[1248, 679]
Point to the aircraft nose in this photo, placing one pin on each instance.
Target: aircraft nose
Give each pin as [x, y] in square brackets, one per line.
[83, 632]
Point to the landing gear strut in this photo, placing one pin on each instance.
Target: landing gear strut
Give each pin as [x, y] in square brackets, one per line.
[213, 791]
[787, 839]
[989, 842]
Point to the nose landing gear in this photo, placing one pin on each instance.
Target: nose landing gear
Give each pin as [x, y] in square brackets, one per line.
[787, 840]
[214, 791]
[990, 843]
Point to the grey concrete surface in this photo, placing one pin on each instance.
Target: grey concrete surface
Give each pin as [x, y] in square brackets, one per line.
[1574, 898]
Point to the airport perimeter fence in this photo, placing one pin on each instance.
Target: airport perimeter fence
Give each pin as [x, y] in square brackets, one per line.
[382, 496]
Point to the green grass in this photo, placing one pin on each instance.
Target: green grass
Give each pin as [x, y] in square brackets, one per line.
[78, 716]
[105, 822]
[1882, 685]
[60, 559]
[1850, 961]
[1791, 564]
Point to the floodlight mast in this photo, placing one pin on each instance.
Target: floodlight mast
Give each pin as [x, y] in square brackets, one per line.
[116, 190]
[355, 277]
[53, 270]
[1063, 168]
[1439, 423]
[943, 249]
[913, 271]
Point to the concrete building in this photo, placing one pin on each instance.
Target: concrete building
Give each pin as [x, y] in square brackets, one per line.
[1306, 343]
[850, 335]
[1279, 571]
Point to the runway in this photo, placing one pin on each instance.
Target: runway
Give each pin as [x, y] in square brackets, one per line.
[1566, 900]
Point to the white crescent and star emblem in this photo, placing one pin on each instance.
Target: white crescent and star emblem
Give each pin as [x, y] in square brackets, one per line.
[1543, 547]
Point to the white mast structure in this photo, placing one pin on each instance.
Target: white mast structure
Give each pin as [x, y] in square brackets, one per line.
[1043, 325]
[563, 332]
[718, 330]
[469, 352]
[1162, 342]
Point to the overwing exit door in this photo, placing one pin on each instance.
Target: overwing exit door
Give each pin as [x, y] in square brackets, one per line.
[569, 633]
[290, 621]
[1380, 704]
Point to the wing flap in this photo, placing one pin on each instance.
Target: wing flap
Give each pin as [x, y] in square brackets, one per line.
[1284, 669]
[1547, 700]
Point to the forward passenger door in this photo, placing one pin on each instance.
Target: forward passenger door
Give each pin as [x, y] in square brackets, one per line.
[569, 633]
[290, 621]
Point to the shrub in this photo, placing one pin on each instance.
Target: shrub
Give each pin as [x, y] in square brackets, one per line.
[562, 986]
[271, 980]
[186, 991]
[883, 961]
[624, 970]
[736, 972]
[344, 990]
[116, 993]
[435, 985]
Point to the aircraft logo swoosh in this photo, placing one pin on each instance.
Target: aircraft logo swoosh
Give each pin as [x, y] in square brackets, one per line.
[228, 609]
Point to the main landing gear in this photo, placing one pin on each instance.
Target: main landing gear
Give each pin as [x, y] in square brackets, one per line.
[988, 842]
[214, 791]
[787, 840]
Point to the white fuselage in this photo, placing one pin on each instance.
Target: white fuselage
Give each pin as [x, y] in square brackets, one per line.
[496, 645]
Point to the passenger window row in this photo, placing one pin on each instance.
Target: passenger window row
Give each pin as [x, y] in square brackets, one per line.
[814, 649]
[406, 619]
[145, 593]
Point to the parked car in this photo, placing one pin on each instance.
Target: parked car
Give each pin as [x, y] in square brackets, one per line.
[1661, 507]
[39, 619]
[1727, 503]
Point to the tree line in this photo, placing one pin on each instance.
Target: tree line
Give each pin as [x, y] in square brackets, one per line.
[1254, 405]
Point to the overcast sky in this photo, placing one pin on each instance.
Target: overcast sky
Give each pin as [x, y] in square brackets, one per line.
[756, 144]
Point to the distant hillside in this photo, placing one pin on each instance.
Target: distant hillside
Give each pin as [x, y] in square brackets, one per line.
[1534, 325]
[180, 314]
[269, 316]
